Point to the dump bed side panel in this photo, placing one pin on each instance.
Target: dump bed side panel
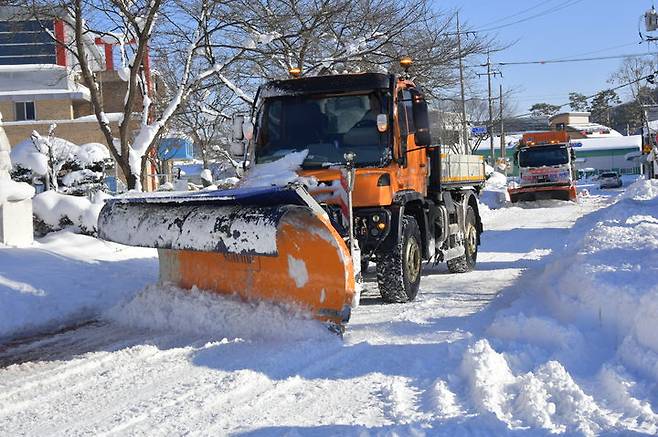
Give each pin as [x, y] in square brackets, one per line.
[459, 169]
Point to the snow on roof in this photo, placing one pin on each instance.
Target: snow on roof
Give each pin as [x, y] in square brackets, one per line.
[80, 94]
[594, 129]
[607, 143]
[111, 116]
[31, 67]
[598, 142]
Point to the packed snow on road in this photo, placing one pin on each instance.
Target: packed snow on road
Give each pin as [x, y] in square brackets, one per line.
[553, 333]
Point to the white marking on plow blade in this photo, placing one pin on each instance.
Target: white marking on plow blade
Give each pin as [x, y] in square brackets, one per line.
[297, 271]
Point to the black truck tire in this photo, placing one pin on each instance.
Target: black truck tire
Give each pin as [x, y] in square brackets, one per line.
[399, 268]
[466, 262]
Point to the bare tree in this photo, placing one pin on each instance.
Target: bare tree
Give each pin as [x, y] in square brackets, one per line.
[205, 118]
[179, 30]
[337, 36]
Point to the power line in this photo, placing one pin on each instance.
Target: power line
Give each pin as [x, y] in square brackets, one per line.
[521, 12]
[562, 61]
[544, 13]
[599, 50]
[649, 77]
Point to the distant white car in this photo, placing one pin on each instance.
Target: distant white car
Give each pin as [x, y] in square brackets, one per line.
[610, 180]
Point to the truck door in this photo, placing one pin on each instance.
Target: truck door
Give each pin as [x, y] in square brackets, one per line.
[413, 169]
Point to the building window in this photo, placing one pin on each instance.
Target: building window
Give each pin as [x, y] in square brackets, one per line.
[25, 111]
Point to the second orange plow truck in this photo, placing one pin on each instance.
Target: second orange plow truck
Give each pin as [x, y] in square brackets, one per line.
[384, 194]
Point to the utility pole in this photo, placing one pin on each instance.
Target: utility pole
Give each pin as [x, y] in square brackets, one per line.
[467, 147]
[490, 126]
[491, 145]
[502, 124]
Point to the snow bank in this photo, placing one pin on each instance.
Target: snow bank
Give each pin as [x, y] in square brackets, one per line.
[12, 190]
[280, 172]
[547, 398]
[591, 312]
[58, 211]
[169, 308]
[66, 277]
[494, 195]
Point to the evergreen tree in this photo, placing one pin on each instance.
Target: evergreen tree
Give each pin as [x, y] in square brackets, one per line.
[544, 109]
[578, 102]
[601, 108]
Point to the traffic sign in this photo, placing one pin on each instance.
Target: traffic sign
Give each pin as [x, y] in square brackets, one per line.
[479, 130]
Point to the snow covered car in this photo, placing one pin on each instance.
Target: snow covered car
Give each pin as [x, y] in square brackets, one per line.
[610, 180]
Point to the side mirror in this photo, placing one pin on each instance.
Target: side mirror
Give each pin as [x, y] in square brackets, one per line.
[421, 119]
[382, 122]
[238, 126]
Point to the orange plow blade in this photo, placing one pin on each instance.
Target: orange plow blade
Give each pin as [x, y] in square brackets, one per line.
[244, 243]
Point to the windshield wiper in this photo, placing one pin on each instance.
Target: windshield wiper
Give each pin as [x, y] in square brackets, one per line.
[321, 164]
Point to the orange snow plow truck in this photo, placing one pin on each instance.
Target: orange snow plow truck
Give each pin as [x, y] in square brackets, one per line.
[546, 163]
[382, 193]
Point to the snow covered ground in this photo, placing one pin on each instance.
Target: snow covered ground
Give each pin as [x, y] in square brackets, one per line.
[65, 278]
[553, 333]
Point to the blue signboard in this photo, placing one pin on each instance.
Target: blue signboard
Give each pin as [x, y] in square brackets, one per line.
[479, 130]
[175, 148]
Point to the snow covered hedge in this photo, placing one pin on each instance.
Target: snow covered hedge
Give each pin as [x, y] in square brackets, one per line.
[79, 169]
[54, 211]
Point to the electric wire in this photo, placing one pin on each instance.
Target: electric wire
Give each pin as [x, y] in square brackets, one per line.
[544, 13]
[521, 12]
[646, 77]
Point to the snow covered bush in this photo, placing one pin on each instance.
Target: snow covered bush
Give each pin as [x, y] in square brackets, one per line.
[77, 169]
[54, 211]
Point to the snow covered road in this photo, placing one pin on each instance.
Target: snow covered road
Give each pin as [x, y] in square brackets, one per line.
[167, 364]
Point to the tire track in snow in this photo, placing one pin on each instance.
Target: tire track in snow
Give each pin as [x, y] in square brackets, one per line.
[257, 391]
[126, 360]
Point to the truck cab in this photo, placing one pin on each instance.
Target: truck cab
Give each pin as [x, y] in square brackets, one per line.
[404, 211]
[546, 163]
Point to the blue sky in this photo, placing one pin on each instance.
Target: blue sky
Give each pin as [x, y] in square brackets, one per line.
[586, 26]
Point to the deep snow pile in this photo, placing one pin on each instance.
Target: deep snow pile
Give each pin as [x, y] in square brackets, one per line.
[578, 350]
[494, 195]
[66, 277]
[58, 211]
[213, 316]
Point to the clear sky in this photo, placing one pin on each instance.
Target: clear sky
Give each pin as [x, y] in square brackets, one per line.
[572, 29]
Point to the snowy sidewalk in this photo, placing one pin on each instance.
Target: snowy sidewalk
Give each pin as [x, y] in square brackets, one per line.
[65, 278]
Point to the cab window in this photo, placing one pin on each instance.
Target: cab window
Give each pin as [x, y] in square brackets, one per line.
[405, 113]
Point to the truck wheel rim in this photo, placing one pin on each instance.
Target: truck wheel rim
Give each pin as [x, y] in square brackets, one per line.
[412, 264]
[471, 240]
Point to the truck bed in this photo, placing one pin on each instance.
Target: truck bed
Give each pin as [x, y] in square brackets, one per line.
[461, 170]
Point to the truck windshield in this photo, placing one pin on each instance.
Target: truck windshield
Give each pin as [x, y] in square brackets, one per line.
[543, 155]
[328, 126]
